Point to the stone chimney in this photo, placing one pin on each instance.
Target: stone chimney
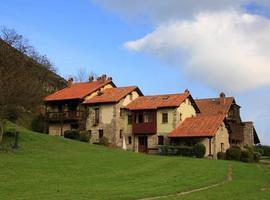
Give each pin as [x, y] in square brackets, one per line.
[109, 78]
[69, 82]
[91, 79]
[186, 91]
[222, 98]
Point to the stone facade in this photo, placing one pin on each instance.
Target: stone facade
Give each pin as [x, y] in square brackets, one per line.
[248, 131]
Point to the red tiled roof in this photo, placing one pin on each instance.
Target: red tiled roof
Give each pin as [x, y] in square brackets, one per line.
[214, 106]
[77, 91]
[111, 95]
[200, 126]
[158, 101]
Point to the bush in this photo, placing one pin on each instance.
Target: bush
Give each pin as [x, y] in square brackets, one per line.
[85, 136]
[221, 156]
[233, 153]
[263, 149]
[104, 141]
[246, 156]
[37, 124]
[256, 157]
[185, 151]
[72, 134]
[199, 150]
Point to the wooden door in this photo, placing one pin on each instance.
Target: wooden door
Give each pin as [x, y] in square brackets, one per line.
[143, 145]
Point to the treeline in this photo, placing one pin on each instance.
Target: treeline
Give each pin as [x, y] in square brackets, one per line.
[25, 77]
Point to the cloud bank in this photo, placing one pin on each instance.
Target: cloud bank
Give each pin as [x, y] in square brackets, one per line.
[226, 50]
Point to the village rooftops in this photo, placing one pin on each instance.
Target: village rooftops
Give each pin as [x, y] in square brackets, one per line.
[112, 95]
[213, 106]
[160, 101]
[79, 91]
[200, 126]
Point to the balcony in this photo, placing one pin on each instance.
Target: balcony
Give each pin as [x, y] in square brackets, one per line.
[65, 116]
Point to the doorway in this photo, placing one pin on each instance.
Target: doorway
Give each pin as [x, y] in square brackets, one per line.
[143, 144]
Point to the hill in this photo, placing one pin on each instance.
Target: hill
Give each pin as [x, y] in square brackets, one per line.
[24, 82]
[47, 167]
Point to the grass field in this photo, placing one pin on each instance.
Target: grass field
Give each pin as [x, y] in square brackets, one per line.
[56, 168]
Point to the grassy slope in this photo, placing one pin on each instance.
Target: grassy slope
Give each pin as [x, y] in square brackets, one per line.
[52, 167]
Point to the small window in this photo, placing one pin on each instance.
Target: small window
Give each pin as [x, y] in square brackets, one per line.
[100, 134]
[121, 134]
[180, 117]
[160, 140]
[222, 147]
[121, 112]
[96, 119]
[147, 117]
[130, 97]
[164, 118]
[90, 133]
[129, 119]
[139, 118]
[129, 140]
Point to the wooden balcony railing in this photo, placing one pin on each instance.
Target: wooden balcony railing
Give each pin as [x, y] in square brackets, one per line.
[65, 115]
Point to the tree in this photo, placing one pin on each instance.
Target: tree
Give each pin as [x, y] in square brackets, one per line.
[82, 75]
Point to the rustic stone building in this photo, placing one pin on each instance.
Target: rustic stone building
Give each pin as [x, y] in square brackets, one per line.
[64, 109]
[108, 118]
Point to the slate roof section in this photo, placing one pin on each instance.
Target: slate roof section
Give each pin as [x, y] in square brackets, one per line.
[200, 126]
[77, 91]
[112, 95]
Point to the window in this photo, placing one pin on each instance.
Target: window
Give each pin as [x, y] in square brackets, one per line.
[160, 140]
[222, 147]
[120, 134]
[139, 118]
[180, 117]
[90, 133]
[96, 119]
[129, 140]
[100, 134]
[130, 97]
[121, 112]
[147, 117]
[129, 119]
[164, 118]
[60, 108]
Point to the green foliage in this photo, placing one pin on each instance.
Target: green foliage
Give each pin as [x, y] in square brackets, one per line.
[233, 153]
[104, 141]
[263, 149]
[38, 123]
[72, 134]
[176, 150]
[85, 136]
[256, 157]
[199, 150]
[246, 156]
[221, 156]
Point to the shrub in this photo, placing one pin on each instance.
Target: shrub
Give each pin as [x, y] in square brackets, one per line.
[185, 151]
[259, 150]
[72, 134]
[85, 136]
[221, 156]
[256, 157]
[199, 150]
[37, 124]
[104, 141]
[163, 150]
[246, 156]
[233, 153]
[263, 149]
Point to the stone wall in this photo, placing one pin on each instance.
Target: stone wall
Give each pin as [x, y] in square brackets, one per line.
[248, 131]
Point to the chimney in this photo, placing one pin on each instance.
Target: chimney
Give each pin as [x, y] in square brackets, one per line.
[69, 82]
[109, 78]
[91, 79]
[104, 77]
[186, 91]
[222, 98]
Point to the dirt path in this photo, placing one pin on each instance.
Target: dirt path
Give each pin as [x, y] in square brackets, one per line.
[229, 178]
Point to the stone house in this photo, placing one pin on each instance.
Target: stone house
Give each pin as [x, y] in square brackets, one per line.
[108, 118]
[228, 107]
[210, 130]
[153, 117]
[64, 109]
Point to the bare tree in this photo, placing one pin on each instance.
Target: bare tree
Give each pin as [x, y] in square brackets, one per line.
[82, 75]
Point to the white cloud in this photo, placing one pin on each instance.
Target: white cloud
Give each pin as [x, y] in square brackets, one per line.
[227, 50]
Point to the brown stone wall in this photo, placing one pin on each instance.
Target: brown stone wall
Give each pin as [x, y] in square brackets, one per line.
[248, 131]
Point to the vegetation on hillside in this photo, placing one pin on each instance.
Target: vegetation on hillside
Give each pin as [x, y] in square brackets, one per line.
[26, 77]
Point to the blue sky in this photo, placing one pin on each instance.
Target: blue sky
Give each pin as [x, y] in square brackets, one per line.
[102, 37]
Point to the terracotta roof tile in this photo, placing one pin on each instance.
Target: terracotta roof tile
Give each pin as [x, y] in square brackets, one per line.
[77, 91]
[158, 101]
[200, 126]
[111, 95]
[214, 106]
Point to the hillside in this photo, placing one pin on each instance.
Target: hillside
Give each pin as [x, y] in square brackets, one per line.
[24, 83]
[47, 167]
